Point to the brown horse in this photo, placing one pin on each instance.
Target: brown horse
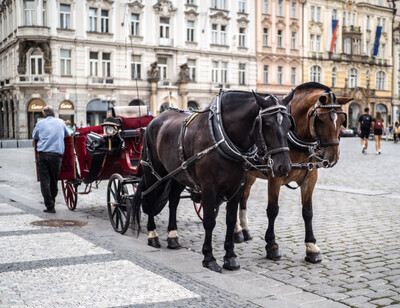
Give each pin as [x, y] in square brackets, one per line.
[318, 117]
[210, 152]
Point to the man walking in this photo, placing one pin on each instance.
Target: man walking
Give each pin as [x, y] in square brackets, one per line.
[364, 127]
[50, 134]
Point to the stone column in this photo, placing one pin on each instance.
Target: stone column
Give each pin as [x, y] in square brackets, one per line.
[183, 92]
[153, 98]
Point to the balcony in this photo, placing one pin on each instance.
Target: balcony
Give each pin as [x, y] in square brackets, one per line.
[100, 81]
[351, 29]
[33, 31]
[34, 79]
[166, 42]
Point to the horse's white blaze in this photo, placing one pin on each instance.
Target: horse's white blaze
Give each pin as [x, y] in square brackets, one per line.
[334, 119]
[172, 234]
[243, 219]
[153, 234]
[311, 247]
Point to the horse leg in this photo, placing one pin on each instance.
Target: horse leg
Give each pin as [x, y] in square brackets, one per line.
[242, 231]
[152, 239]
[313, 254]
[272, 247]
[230, 258]
[208, 199]
[174, 197]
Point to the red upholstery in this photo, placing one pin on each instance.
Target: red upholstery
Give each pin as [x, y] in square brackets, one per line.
[68, 161]
[133, 123]
[86, 130]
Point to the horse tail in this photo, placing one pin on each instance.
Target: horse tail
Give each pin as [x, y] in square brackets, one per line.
[136, 208]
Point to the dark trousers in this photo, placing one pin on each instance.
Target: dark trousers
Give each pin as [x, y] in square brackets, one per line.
[49, 165]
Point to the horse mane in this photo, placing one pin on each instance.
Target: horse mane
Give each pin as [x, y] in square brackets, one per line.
[312, 85]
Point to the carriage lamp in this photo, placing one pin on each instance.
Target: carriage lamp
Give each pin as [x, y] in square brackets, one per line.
[110, 130]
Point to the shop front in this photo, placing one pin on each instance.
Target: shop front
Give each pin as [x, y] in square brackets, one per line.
[97, 111]
[35, 108]
[67, 112]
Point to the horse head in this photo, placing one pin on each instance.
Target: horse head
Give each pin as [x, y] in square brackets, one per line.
[319, 116]
[273, 125]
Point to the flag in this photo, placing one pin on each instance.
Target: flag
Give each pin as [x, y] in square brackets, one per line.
[332, 35]
[376, 43]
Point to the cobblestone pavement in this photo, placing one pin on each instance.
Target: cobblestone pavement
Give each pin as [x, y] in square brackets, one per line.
[356, 223]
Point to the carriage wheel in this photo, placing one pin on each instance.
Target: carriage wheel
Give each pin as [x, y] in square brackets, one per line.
[70, 192]
[198, 207]
[119, 210]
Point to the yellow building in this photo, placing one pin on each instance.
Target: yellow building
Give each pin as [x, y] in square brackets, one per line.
[359, 62]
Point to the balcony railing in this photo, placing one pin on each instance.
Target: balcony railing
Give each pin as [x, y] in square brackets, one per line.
[351, 29]
[33, 79]
[101, 80]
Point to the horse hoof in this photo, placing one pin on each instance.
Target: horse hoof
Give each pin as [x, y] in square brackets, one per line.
[231, 264]
[313, 257]
[238, 237]
[154, 242]
[247, 235]
[212, 265]
[173, 243]
[273, 253]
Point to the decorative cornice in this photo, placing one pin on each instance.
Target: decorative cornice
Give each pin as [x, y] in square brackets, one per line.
[242, 21]
[191, 13]
[136, 6]
[219, 16]
[164, 8]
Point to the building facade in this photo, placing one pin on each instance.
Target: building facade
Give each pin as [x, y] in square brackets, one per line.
[83, 57]
[279, 38]
[348, 47]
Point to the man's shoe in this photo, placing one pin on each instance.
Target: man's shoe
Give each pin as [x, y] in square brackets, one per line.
[363, 149]
[49, 211]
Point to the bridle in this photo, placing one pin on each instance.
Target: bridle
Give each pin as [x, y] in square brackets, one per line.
[279, 110]
[333, 114]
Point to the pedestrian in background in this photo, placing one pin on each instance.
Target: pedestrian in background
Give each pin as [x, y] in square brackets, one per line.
[396, 132]
[364, 127]
[378, 130]
[69, 126]
[50, 133]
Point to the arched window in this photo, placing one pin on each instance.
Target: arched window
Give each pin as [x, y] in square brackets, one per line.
[352, 78]
[192, 105]
[380, 80]
[334, 77]
[36, 63]
[315, 73]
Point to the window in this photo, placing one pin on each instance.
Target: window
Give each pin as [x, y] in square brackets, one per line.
[136, 67]
[65, 16]
[280, 38]
[334, 14]
[356, 47]
[318, 14]
[293, 76]
[242, 6]
[293, 10]
[380, 80]
[382, 51]
[368, 24]
[265, 7]
[318, 43]
[190, 31]
[163, 68]
[29, 13]
[92, 19]
[190, 2]
[218, 4]
[315, 73]
[293, 40]
[242, 73]
[352, 78]
[334, 77]
[135, 24]
[312, 42]
[36, 67]
[312, 13]
[214, 34]
[224, 72]
[106, 64]
[44, 15]
[223, 35]
[265, 37]
[164, 31]
[242, 37]
[192, 69]
[347, 46]
[104, 21]
[383, 24]
[65, 62]
[266, 74]
[280, 75]
[94, 63]
[280, 8]
[214, 71]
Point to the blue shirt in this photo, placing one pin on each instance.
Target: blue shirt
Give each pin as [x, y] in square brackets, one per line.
[51, 132]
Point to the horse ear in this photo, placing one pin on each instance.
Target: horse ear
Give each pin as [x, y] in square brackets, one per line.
[344, 100]
[261, 101]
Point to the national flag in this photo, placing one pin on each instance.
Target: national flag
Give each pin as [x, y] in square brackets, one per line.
[332, 35]
[377, 38]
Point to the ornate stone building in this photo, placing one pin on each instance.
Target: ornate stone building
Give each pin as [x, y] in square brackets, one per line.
[359, 63]
[279, 39]
[82, 57]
